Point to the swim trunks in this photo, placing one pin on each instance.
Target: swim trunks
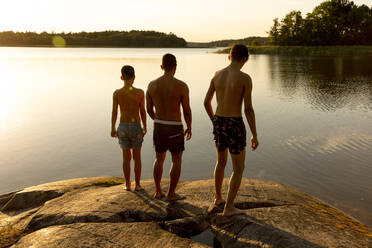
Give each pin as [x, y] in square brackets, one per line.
[168, 137]
[229, 132]
[130, 135]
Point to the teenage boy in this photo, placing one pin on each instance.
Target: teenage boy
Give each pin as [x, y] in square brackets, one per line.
[232, 87]
[130, 133]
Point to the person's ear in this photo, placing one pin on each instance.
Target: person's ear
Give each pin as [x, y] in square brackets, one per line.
[229, 57]
[162, 67]
[121, 77]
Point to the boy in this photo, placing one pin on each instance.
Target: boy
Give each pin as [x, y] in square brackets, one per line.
[167, 95]
[130, 134]
[232, 88]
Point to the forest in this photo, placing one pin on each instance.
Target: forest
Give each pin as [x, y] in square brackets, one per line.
[132, 38]
[331, 23]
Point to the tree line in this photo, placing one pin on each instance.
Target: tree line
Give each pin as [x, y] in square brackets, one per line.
[132, 38]
[249, 41]
[333, 22]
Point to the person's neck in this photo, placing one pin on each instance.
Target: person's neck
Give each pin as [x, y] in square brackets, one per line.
[235, 65]
[169, 73]
[127, 84]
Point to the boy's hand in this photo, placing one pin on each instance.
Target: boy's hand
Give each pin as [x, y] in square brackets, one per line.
[188, 133]
[254, 143]
[114, 134]
[144, 130]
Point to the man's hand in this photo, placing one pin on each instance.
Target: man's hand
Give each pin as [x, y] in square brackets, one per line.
[144, 130]
[113, 133]
[254, 143]
[188, 133]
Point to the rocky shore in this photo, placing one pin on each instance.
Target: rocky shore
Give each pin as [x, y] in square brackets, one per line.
[98, 212]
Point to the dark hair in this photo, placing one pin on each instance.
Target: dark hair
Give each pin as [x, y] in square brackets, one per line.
[239, 52]
[169, 61]
[127, 72]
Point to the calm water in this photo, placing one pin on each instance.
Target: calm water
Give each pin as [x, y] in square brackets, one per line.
[314, 119]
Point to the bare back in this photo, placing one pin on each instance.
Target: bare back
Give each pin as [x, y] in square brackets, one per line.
[231, 85]
[167, 95]
[129, 100]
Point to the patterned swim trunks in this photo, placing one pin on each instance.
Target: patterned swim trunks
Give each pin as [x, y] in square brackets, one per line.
[229, 132]
[130, 135]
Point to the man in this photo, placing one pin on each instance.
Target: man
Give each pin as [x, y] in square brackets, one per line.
[132, 110]
[232, 87]
[167, 94]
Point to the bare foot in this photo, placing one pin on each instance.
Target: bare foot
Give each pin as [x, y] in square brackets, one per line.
[175, 197]
[218, 202]
[127, 188]
[138, 188]
[159, 195]
[232, 211]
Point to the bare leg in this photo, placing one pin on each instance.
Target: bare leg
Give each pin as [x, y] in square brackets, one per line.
[137, 168]
[158, 172]
[219, 173]
[175, 173]
[234, 184]
[127, 156]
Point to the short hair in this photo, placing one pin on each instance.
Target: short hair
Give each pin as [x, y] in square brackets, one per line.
[239, 52]
[169, 61]
[127, 72]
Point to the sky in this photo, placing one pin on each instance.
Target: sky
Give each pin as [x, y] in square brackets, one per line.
[194, 20]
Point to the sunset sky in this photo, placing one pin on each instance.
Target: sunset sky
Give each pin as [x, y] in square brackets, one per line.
[194, 20]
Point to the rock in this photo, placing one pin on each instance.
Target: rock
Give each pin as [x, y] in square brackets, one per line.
[145, 234]
[5, 198]
[109, 204]
[18, 208]
[106, 215]
[186, 227]
[37, 195]
[243, 231]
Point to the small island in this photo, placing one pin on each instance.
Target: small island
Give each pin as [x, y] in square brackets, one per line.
[98, 212]
[132, 38]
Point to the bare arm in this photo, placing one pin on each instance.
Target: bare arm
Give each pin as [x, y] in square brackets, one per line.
[150, 105]
[185, 101]
[249, 113]
[143, 113]
[208, 99]
[114, 115]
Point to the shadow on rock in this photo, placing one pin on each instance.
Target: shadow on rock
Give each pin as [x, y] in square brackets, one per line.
[245, 231]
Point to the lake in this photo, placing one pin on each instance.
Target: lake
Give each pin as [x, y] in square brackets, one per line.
[314, 117]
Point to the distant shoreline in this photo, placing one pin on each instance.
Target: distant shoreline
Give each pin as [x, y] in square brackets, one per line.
[307, 50]
[264, 50]
[69, 46]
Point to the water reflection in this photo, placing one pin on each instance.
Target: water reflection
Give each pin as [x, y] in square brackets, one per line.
[8, 97]
[327, 83]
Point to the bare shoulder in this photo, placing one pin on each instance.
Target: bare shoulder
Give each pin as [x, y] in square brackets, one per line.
[218, 73]
[246, 79]
[151, 85]
[138, 91]
[116, 92]
[182, 84]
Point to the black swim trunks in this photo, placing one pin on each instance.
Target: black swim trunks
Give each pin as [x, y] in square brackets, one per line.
[168, 137]
[229, 132]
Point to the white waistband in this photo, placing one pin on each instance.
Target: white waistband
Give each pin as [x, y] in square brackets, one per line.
[168, 122]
